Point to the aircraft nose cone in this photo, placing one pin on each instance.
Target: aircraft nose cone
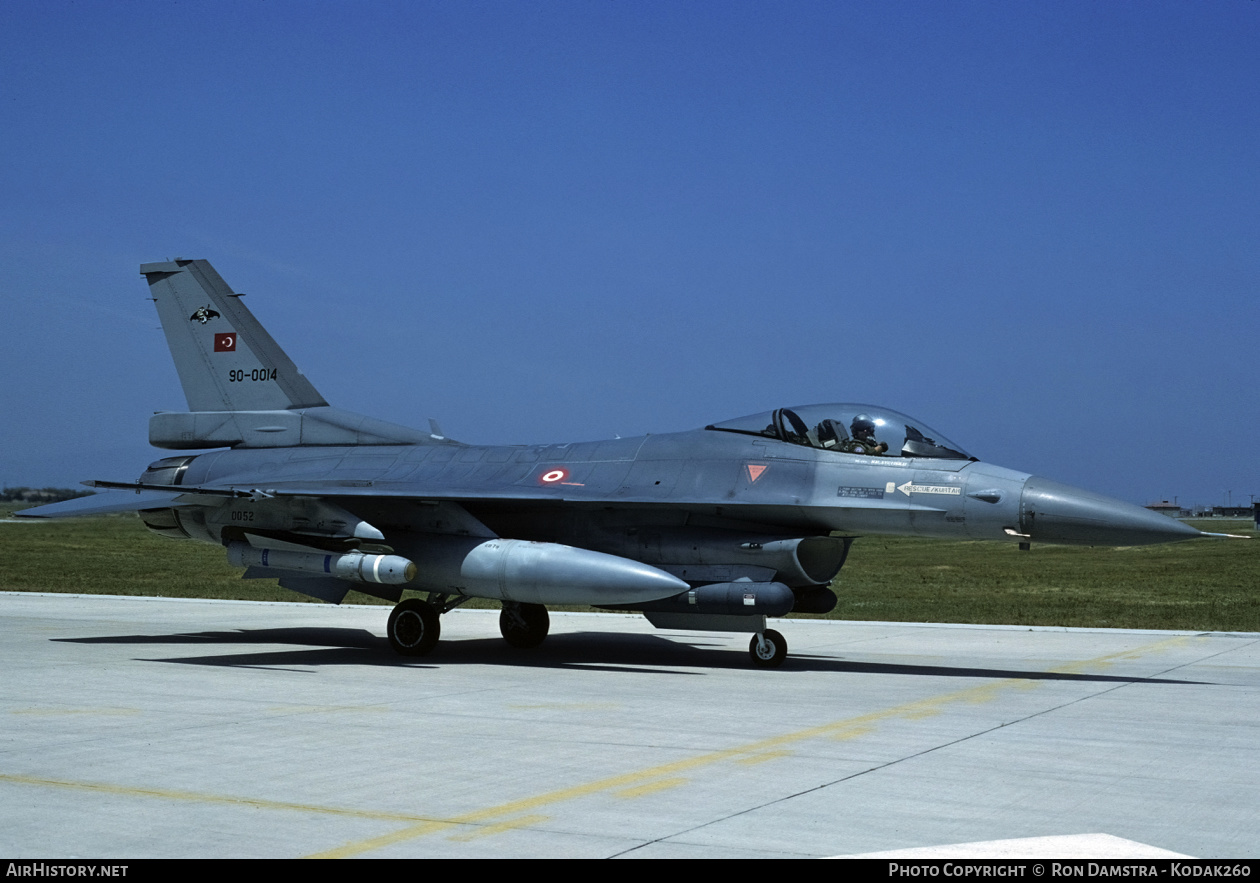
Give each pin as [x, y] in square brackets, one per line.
[1052, 512]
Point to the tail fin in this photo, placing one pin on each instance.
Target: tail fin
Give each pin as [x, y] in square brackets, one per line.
[226, 360]
[241, 387]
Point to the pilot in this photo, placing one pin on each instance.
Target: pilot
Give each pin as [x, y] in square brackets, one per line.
[863, 441]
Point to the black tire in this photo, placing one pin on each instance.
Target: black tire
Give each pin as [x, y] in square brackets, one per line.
[414, 628]
[773, 654]
[524, 625]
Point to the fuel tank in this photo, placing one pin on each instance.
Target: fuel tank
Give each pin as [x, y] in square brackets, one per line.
[531, 572]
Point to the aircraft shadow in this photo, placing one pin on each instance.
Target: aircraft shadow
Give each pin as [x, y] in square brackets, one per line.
[637, 653]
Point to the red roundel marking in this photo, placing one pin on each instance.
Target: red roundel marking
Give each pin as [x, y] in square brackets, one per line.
[553, 476]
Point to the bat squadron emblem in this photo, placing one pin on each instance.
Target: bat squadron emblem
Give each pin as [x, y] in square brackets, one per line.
[203, 315]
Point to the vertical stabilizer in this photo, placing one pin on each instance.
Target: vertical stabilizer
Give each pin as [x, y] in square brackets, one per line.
[226, 360]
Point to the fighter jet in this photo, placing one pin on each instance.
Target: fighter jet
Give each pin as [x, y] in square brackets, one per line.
[716, 528]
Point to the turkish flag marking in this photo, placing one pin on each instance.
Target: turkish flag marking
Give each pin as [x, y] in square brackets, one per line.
[225, 343]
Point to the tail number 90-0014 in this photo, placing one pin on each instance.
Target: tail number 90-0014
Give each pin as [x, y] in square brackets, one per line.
[238, 375]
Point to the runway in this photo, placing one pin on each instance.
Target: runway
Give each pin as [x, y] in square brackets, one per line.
[138, 727]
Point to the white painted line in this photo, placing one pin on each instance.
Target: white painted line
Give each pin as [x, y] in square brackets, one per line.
[1077, 846]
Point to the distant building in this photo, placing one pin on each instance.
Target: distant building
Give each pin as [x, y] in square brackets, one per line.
[1163, 507]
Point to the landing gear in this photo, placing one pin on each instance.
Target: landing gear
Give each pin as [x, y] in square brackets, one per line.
[524, 625]
[768, 649]
[414, 627]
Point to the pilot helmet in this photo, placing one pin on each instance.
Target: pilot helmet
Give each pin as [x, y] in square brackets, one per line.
[863, 426]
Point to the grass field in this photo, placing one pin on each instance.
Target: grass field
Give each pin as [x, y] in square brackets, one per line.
[1212, 585]
[1208, 585]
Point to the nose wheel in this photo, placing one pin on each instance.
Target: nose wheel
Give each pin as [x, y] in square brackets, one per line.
[768, 649]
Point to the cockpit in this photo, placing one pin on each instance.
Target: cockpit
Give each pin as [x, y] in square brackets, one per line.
[850, 429]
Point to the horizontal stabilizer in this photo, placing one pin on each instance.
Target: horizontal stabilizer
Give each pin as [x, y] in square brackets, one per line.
[104, 504]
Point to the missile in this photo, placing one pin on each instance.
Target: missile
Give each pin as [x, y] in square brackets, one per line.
[358, 567]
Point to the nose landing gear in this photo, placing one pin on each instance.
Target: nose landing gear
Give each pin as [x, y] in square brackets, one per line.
[768, 649]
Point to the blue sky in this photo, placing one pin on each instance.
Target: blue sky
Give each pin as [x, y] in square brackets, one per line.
[1035, 226]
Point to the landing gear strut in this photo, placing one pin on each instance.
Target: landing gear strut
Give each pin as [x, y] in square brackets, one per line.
[524, 625]
[768, 649]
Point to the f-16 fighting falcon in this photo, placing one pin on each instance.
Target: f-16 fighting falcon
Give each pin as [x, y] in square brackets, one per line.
[710, 529]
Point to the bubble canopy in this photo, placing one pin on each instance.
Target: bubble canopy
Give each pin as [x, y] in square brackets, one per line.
[849, 428]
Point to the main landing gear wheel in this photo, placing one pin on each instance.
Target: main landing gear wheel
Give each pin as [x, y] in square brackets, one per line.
[414, 627]
[524, 625]
[768, 649]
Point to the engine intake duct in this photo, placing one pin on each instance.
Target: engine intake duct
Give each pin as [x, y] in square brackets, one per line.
[806, 561]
